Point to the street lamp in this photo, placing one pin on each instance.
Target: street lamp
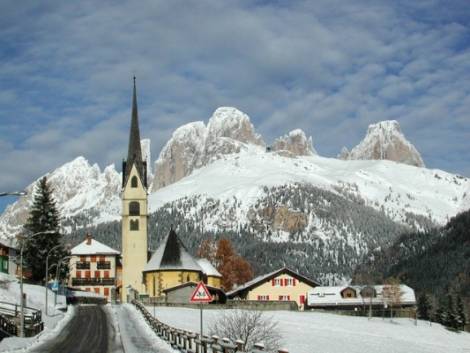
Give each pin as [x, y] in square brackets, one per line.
[21, 277]
[14, 193]
[47, 272]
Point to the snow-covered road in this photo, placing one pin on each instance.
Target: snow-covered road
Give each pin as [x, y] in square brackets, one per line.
[134, 333]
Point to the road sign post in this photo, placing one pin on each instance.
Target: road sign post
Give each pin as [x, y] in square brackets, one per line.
[201, 295]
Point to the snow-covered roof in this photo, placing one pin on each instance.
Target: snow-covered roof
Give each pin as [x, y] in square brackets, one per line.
[263, 278]
[93, 247]
[172, 255]
[331, 296]
[207, 268]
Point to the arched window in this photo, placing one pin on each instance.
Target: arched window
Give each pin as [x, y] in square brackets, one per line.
[134, 223]
[134, 182]
[134, 208]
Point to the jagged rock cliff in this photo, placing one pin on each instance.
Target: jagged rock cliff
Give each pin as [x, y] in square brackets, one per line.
[385, 140]
[294, 144]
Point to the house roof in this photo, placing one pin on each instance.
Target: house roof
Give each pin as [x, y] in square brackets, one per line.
[208, 268]
[267, 277]
[93, 248]
[331, 296]
[172, 255]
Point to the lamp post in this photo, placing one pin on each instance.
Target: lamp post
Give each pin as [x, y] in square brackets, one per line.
[59, 263]
[21, 278]
[47, 272]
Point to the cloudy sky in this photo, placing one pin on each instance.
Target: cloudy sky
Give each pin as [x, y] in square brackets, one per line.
[328, 67]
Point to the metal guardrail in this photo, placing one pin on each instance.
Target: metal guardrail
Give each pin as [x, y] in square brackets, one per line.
[191, 342]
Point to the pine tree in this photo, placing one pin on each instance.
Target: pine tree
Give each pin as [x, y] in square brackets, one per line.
[43, 217]
[424, 307]
[461, 318]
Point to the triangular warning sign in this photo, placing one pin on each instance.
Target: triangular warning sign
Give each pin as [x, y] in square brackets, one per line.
[201, 294]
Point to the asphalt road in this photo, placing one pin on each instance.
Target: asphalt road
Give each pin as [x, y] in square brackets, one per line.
[87, 332]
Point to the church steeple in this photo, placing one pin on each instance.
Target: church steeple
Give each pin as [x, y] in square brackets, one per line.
[134, 154]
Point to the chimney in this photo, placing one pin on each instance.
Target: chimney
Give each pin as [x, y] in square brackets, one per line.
[88, 239]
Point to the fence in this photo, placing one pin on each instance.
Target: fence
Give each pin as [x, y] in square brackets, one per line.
[230, 304]
[10, 315]
[190, 342]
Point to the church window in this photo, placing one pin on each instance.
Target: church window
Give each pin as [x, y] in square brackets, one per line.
[134, 182]
[134, 224]
[134, 208]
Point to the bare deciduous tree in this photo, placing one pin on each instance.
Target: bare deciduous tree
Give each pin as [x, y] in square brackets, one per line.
[249, 326]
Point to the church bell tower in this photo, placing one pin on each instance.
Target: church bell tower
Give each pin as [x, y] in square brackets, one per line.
[134, 210]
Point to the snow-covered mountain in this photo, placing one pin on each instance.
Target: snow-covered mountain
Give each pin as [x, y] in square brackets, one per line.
[80, 190]
[220, 178]
[194, 145]
[385, 140]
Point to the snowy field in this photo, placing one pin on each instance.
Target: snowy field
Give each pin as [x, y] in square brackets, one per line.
[309, 332]
[35, 298]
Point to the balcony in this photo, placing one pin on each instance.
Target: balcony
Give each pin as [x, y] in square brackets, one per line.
[93, 281]
[83, 265]
[103, 265]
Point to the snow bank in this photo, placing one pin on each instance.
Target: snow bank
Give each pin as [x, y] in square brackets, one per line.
[35, 298]
[307, 332]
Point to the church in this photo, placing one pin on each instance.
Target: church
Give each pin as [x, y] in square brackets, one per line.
[171, 264]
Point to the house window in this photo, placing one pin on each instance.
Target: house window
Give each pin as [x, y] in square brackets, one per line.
[102, 258]
[284, 297]
[289, 282]
[82, 258]
[263, 297]
[87, 289]
[277, 282]
[93, 259]
[134, 182]
[106, 292]
[106, 274]
[87, 274]
[79, 274]
[302, 299]
[97, 274]
[134, 208]
[97, 290]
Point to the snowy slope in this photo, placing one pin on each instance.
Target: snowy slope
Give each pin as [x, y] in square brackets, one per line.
[311, 332]
[384, 185]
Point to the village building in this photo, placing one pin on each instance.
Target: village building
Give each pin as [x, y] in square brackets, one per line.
[171, 265]
[281, 285]
[93, 267]
[361, 297]
[8, 258]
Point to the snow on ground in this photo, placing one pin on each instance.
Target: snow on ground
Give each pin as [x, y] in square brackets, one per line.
[35, 298]
[136, 336]
[315, 332]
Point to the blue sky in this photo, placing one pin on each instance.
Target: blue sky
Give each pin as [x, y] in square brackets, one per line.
[328, 67]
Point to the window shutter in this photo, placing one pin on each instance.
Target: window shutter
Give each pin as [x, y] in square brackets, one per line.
[285, 282]
[272, 282]
[259, 298]
[268, 297]
[79, 274]
[288, 297]
[294, 281]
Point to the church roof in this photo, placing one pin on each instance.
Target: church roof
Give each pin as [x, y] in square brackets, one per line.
[208, 268]
[172, 255]
[134, 153]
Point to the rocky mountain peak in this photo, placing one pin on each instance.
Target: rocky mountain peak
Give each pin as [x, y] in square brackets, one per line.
[232, 123]
[384, 140]
[295, 143]
[194, 145]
